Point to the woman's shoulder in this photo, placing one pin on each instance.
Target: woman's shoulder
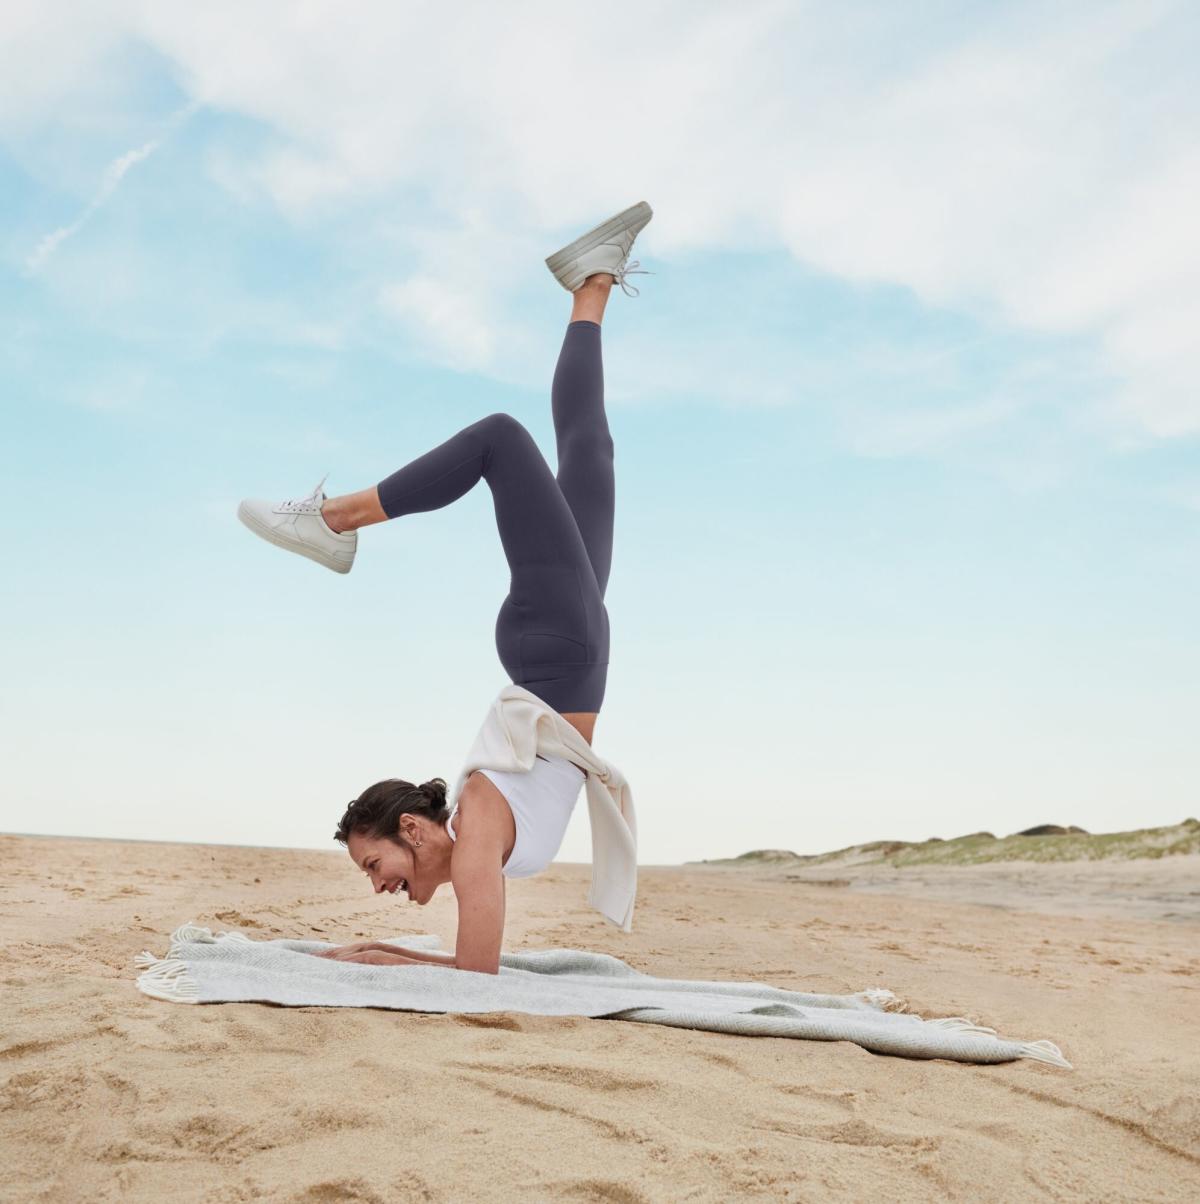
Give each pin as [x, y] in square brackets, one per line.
[483, 809]
[478, 786]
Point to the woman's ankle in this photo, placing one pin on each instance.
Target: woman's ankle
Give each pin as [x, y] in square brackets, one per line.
[353, 510]
[334, 515]
[591, 297]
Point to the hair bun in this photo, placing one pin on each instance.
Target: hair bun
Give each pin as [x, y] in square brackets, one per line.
[435, 790]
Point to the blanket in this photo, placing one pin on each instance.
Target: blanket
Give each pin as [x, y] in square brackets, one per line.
[201, 967]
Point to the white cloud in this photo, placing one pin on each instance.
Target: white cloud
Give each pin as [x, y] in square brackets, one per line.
[450, 318]
[1031, 165]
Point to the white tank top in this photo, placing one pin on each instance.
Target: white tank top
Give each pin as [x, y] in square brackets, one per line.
[541, 802]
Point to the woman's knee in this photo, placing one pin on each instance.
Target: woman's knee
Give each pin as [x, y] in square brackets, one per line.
[505, 434]
[501, 423]
[503, 430]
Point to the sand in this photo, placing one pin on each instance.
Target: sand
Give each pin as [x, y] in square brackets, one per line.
[110, 1095]
[1168, 889]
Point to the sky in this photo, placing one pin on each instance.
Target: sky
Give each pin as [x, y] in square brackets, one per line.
[907, 435]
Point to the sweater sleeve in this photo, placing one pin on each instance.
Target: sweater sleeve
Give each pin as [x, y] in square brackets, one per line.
[518, 726]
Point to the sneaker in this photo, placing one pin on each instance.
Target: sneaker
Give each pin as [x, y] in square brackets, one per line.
[299, 527]
[604, 249]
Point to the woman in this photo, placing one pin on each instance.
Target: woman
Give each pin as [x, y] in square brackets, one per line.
[552, 631]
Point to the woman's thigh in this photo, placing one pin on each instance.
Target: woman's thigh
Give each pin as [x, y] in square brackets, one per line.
[552, 626]
[552, 632]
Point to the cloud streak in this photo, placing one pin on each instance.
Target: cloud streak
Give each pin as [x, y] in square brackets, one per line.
[114, 174]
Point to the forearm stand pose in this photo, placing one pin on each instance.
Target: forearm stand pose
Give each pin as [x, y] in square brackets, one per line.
[552, 631]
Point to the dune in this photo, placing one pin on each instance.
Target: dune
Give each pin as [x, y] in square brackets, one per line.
[1045, 842]
[1148, 873]
[110, 1095]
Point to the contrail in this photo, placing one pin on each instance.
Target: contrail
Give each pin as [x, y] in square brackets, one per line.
[113, 175]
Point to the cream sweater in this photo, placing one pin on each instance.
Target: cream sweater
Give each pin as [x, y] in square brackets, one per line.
[519, 725]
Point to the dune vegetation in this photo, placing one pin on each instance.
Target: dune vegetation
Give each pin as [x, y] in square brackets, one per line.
[1051, 844]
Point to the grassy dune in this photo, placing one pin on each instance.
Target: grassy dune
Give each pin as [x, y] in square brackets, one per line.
[981, 847]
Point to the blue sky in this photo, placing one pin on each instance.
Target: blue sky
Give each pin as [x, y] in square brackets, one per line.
[908, 516]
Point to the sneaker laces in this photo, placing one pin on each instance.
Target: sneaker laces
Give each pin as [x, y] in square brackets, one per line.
[307, 505]
[633, 269]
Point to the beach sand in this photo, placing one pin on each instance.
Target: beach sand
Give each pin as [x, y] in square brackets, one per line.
[110, 1095]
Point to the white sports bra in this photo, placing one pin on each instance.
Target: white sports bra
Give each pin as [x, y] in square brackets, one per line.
[541, 802]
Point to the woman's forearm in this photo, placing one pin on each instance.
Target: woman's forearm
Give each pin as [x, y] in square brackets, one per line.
[416, 955]
[423, 955]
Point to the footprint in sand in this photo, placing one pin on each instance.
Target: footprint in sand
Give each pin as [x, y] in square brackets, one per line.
[336, 1191]
[236, 917]
[600, 1191]
[590, 1078]
[489, 1020]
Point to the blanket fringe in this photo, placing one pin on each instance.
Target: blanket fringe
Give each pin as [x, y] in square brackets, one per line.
[165, 978]
[1045, 1051]
[1039, 1051]
[883, 999]
[168, 977]
[194, 934]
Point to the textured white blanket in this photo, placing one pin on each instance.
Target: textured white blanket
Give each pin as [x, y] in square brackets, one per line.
[202, 968]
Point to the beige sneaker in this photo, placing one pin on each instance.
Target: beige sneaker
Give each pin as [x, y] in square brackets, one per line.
[299, 527]
[604, 249]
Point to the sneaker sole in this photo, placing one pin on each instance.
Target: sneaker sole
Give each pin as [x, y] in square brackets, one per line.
[248, 520]
[603, 232]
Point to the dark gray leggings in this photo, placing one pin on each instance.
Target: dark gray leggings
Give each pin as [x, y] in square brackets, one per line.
[557, 532]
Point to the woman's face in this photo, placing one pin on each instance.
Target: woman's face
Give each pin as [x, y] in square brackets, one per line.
[392, 867]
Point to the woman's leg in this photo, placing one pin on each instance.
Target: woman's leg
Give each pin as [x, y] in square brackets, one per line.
[552, 632]
[585, 445]
[535, 525]
[552, 629]
[580, 426]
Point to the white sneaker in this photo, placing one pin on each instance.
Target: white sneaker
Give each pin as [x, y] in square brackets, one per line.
[299, 527]
[604, 249]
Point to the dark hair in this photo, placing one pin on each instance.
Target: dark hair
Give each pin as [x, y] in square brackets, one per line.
[377, 811]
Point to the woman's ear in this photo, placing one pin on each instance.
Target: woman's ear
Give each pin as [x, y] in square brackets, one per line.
[410, 830]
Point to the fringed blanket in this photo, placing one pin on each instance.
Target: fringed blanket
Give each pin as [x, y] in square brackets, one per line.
[230, 967]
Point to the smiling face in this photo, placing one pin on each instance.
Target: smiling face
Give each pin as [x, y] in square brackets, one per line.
[389, 865]
[413, 868]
